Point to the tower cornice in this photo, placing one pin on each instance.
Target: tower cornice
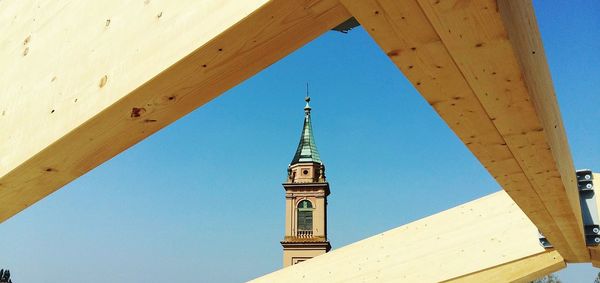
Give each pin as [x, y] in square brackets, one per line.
[308, 188]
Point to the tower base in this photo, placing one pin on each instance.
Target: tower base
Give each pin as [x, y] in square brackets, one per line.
[297, 250]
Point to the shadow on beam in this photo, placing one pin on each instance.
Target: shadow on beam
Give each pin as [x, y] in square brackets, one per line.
[522, 270]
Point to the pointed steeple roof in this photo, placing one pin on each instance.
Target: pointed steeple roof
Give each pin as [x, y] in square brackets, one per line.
[307, 148]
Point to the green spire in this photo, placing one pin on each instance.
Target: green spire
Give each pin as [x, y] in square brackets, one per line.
[307, 148]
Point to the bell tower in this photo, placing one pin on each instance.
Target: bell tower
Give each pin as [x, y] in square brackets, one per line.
[306, 191]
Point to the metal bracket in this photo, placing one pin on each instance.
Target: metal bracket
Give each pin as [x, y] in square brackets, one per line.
[589, 209]
[346, 26]
[543, 241]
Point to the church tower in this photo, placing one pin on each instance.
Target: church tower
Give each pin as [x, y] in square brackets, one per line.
[306, 191]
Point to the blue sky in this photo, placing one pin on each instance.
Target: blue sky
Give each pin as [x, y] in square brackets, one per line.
[202, 201]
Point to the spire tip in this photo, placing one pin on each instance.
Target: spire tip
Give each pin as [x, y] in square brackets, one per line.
[307, 99]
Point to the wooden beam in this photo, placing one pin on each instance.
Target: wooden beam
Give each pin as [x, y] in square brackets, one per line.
[477, 236]
[83, 81]
[482, 68]
[522, 270]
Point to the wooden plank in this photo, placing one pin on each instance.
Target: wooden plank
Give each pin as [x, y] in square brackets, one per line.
[484, 233]
[471, 75]
[83, 81]
[522, 270]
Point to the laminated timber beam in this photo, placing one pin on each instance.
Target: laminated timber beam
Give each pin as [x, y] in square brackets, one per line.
[477, 240]
[481, 66]
[84, 80]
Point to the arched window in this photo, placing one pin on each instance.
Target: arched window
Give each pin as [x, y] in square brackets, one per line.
[305, 216]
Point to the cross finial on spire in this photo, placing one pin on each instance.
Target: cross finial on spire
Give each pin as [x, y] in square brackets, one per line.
[307, 99]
